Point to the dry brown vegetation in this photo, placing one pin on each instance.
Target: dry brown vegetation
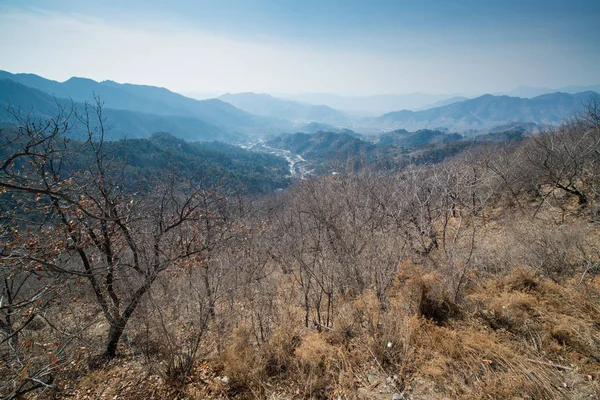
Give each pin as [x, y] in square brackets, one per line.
[477, 278]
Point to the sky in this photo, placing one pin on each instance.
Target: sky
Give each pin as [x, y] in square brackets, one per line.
[346, 47]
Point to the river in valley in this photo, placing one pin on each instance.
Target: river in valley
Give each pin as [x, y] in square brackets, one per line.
[299, 167]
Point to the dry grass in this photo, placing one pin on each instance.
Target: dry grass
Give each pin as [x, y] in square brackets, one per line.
[516, 336]
[524, 324]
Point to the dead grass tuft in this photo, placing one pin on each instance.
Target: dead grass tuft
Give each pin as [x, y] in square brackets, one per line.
[426, 294]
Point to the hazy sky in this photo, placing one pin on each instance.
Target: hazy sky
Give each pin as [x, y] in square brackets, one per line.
[353, 47]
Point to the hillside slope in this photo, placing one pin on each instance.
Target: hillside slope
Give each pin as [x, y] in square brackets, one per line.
[152, 100]
[122, 123]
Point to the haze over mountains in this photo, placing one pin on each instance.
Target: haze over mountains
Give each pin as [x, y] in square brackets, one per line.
[371, 105]
[531, 91]
[156, 104]
[488, 111]
[297, 112]
[318, 136]
[140, 110]
[381, 104]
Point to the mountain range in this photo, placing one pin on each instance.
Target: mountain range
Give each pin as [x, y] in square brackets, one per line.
[369, 106]
[444, 102]
[137, 111]
[122, 123]
[487, 112]
[532, 91]
[158, 104]
[294, 111]
[364, 106]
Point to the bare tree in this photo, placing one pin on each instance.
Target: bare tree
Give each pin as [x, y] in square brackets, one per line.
[568, 157]
[27, 292]
[116, 238]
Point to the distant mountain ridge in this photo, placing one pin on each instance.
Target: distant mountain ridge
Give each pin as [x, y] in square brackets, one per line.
[371, 105]
[532, 91]
[139, 110]
[123, 123]
[268, 106]
[488, 111]
[444, 102]
[153, 100]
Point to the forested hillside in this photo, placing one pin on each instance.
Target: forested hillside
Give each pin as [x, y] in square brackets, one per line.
[332, 151]
[247, 172]
[132, 270]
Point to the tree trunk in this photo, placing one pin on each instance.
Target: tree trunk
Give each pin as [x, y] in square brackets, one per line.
[209, 295]
[581, 197]
[306, 308]
[114, 335]
[117, 324]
